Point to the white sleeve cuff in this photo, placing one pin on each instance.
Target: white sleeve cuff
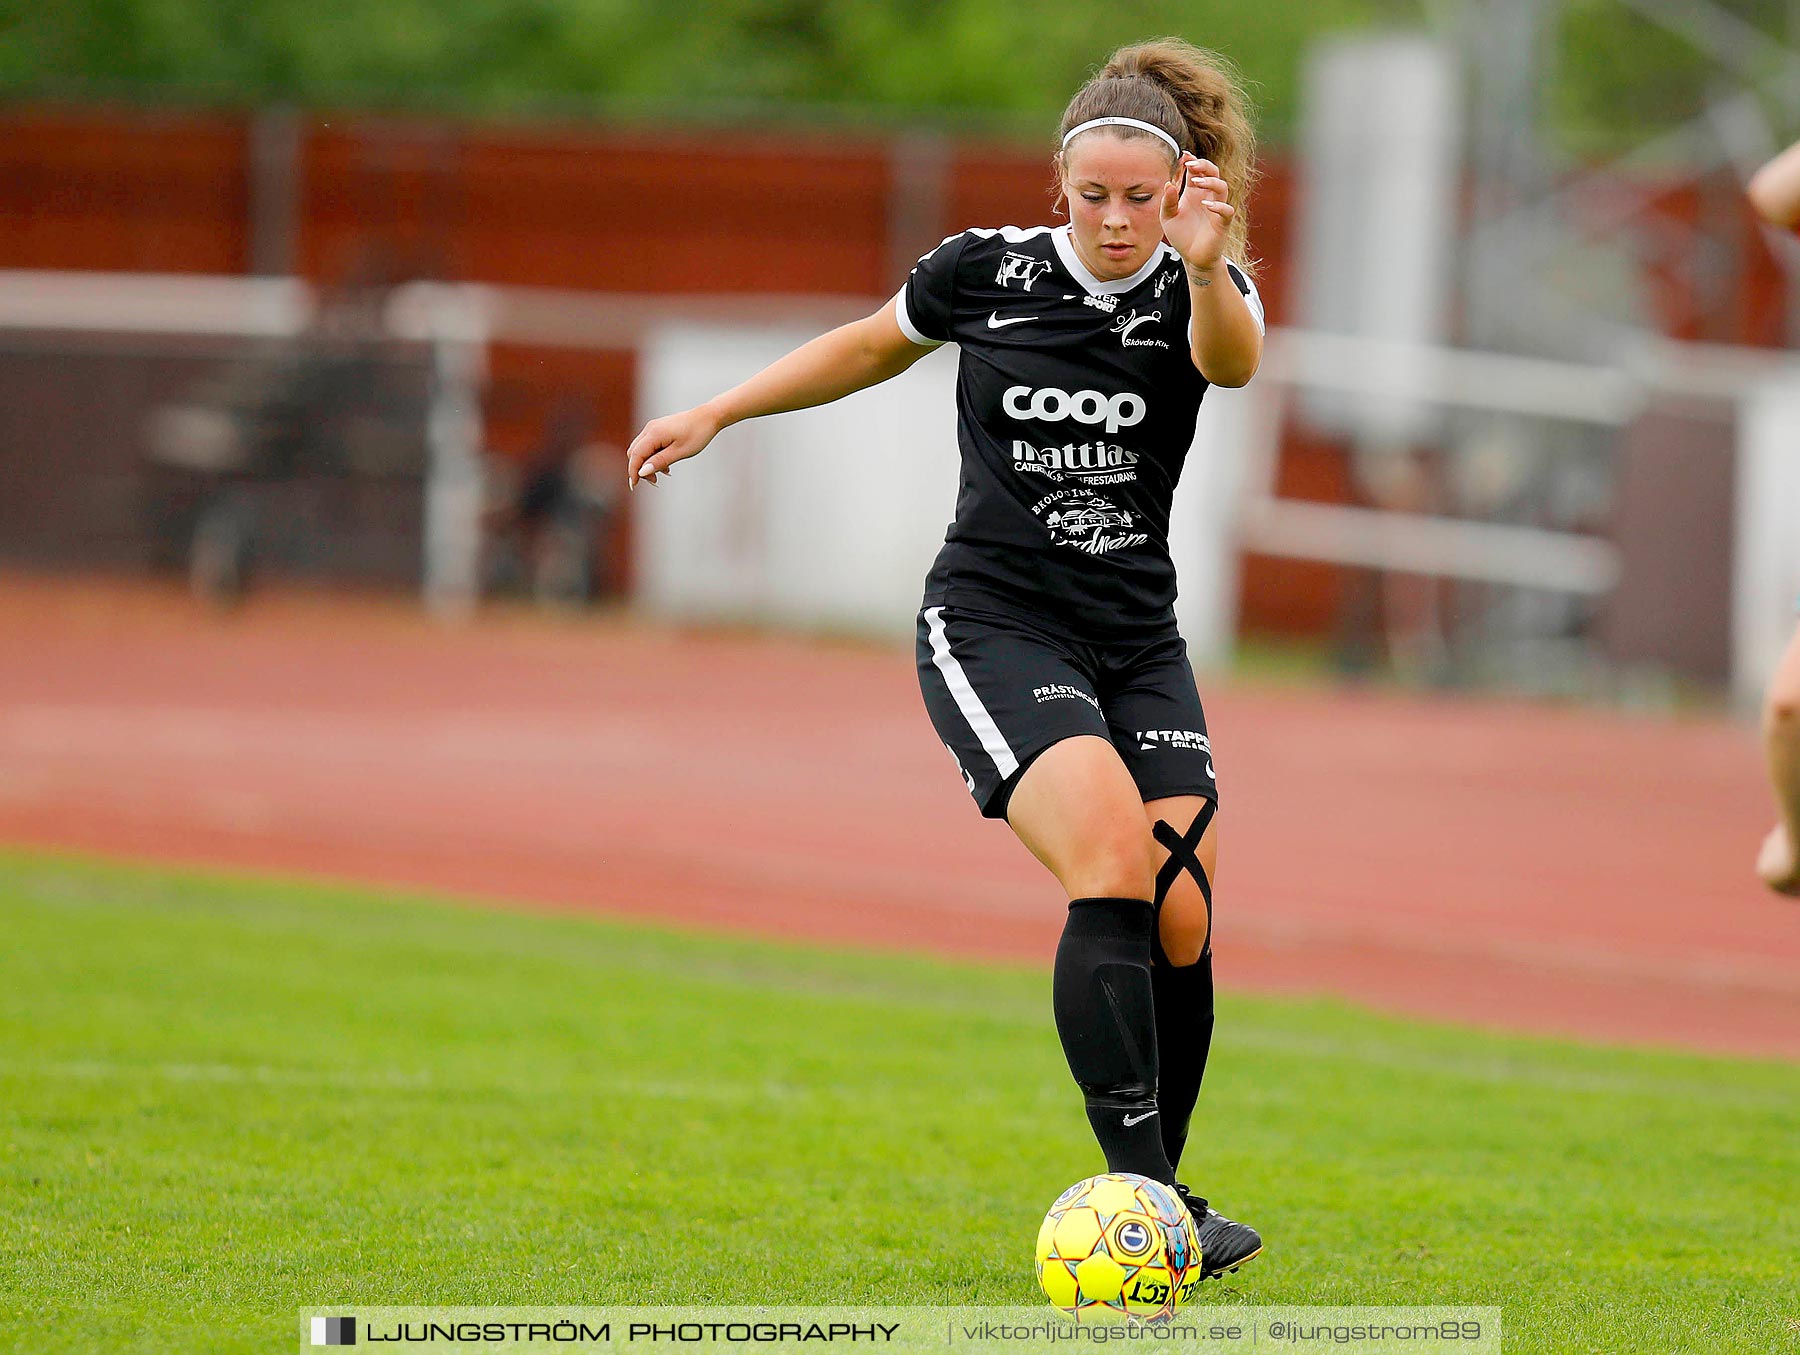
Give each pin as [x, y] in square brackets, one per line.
[1251, 296]
[907, 327]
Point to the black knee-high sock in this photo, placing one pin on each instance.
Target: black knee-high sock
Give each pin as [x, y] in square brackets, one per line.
[1184, 1030]
[1106, 1018]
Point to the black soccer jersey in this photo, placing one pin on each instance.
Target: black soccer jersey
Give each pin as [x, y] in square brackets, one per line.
[1075, 401]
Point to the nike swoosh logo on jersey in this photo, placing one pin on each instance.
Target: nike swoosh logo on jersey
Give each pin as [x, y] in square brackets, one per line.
[1138, 1119]
[995, 322]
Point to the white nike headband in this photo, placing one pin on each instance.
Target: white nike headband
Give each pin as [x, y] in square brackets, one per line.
[1151, 128]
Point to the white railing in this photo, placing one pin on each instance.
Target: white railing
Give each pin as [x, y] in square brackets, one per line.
[1226, 506]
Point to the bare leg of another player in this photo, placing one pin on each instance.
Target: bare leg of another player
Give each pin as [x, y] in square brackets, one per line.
[1779, 861]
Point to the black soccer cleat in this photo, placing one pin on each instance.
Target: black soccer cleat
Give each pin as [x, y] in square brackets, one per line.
[1224, 1245]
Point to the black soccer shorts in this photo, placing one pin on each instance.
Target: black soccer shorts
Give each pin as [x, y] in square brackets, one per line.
[1000, 690]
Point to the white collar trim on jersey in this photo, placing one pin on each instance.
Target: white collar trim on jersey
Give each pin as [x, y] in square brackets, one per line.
[1065, 250]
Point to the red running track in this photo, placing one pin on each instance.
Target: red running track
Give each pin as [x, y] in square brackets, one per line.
[1506, 864]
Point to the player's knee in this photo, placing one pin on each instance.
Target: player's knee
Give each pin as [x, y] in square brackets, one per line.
[1781, 709]
[1182, 932]
[1184, 888]
[1781, 705]
[1116, 865]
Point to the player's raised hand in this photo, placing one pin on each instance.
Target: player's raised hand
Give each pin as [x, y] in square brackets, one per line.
[664, 441]
[1196, 210]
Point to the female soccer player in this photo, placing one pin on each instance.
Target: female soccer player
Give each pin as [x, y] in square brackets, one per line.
[1048, 654]
[1774, 192]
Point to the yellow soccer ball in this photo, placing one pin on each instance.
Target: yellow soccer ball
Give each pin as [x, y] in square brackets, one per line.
[1118, 1245]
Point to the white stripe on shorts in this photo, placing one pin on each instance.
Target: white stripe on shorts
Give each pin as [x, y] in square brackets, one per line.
[966, 700]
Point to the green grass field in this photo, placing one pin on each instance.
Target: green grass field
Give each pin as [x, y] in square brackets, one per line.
[223, 1098]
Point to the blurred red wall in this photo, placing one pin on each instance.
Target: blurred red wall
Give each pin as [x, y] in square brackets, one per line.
[612, 210]
[140, 192]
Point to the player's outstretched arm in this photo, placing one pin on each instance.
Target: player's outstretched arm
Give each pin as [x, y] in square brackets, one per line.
[1774, 189]
[849, 358]
[1779, 862]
